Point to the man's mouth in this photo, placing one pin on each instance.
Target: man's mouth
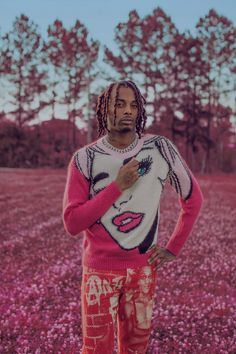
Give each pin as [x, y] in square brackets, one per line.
[127, 221]
[127, 121]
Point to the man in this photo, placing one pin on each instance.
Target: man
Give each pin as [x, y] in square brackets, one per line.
[112, 193]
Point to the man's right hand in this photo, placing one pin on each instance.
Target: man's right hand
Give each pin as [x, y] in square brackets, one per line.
[128, 174]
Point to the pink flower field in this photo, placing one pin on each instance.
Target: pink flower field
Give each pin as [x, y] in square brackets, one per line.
[195, 302]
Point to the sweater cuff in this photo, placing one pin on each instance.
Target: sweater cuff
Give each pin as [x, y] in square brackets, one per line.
[116, 188]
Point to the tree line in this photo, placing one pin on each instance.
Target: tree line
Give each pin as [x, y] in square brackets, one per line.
[188, 81]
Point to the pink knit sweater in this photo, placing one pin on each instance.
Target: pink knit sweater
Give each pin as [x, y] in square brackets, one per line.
[120, 227]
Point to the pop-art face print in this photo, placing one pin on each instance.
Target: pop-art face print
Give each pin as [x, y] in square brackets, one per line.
[136, 226]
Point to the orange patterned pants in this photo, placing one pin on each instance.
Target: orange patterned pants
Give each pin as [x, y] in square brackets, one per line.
[117, 301]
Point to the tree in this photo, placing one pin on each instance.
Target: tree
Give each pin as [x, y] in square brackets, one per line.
[20, 66]
[146, 52]
[72, 56]
[217, 35]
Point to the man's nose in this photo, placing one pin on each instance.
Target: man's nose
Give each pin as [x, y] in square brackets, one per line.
[127, 109]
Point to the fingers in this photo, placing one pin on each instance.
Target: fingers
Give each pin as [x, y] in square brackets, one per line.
[163, 260]
[133, 172]
[131, 176]
[133, 169]
[159, 254]
[133, 162]
[160, 264]
[151, 248]
[155, 256]
[155, 250]
[155, 247]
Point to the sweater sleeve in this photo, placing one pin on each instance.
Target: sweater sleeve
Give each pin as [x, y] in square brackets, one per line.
[190, 197]
[80, 212]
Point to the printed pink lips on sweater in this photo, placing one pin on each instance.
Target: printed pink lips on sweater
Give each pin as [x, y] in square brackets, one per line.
[127, 221]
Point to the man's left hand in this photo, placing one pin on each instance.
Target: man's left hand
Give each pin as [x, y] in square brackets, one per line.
[161, 254]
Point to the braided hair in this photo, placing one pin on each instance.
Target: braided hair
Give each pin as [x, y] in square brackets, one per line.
[103, 101]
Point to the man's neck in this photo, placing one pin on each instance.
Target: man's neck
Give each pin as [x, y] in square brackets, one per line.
[121, 141]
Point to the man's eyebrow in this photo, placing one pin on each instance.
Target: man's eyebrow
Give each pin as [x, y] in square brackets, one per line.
[121, 99]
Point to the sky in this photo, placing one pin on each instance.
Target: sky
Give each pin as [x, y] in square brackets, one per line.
[102, 16]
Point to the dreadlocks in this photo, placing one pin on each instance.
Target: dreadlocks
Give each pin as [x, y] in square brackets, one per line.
[103, 101]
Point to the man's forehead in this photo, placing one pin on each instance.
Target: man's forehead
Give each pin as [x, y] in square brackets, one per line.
[122, 94]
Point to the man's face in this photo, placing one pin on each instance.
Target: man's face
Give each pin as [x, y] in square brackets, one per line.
[126, 110]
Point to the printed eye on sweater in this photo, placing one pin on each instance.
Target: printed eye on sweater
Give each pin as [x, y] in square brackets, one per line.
[119, 227]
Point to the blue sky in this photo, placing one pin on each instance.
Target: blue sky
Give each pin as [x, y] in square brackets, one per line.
[101, 16]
